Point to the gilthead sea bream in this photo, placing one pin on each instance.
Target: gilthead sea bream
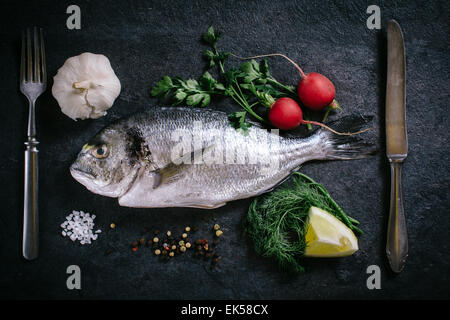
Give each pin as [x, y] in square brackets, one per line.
[186, 157]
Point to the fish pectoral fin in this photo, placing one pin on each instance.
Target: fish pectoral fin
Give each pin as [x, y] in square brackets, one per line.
[174, 170]
[170, 173]
[214, 206]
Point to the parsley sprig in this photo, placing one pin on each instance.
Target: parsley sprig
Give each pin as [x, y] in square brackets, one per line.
[192, 92]
[249, 85]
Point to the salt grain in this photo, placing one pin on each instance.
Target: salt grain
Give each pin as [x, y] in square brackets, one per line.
[78, 227]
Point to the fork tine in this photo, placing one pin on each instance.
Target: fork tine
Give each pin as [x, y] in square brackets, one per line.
[37, 58]
[22, 59]
[44, 66]
[29, 58]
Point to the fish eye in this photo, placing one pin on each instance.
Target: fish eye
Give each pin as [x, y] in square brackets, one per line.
[100, 152]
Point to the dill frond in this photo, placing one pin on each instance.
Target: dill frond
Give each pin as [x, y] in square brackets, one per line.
[276, 221]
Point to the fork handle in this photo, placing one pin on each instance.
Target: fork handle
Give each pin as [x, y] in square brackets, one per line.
[397, 238]
[30, 246]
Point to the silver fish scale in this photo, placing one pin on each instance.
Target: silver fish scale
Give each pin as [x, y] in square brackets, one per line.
[212, 185]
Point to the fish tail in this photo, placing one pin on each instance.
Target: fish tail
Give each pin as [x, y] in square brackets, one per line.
[348, 147]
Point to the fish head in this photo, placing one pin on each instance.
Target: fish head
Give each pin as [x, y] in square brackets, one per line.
[105, 165]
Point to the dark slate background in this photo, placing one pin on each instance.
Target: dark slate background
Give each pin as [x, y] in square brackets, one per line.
[147, 40]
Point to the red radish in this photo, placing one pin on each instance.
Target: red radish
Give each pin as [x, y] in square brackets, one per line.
[286, 114]
[314, 90]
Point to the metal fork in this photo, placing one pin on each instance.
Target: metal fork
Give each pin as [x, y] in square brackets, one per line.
[33, 82]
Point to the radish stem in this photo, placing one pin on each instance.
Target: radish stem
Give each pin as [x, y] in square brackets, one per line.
[334, 131]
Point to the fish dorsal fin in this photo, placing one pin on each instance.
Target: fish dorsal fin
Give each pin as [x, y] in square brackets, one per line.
[174, 170]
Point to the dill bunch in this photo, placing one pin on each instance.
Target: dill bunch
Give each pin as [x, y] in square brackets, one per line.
[276, 221]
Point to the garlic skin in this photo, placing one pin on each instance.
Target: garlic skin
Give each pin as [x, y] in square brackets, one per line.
[86, 86]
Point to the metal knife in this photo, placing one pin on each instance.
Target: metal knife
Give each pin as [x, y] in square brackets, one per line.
[396, 144]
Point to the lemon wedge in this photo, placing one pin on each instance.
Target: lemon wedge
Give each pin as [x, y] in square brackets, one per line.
[328, 237]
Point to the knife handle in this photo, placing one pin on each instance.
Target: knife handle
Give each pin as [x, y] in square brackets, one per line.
[397, 238]
[30, 245]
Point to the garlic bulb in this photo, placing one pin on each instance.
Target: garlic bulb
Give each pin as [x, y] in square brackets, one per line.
[86, 86]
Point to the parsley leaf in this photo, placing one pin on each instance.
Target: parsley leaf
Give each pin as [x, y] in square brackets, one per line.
[191, 91]
[237, 121]
[162, 88]
[211, 36]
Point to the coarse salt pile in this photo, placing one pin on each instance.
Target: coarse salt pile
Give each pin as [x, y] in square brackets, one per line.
[79, 226]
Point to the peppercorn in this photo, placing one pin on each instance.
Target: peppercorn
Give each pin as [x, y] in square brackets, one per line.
[199, 248]
[198, 242]
[215, 260]
[164, 252]
[169, 233]
[135, 244]
[108, 251]
[142, 241]
[157, 252]
[188, 245]
[183, 249]
[155, 239]
[149, 243]
[216, 242]
[174, 247]
[187, 229]
[156, 232]
[216, 227]
[171, 253]
[195, 229]
[112, 225]
[181, 243]
[184, 235]
[219, 233]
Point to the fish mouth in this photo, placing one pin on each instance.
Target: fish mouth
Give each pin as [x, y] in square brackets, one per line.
[78, 174]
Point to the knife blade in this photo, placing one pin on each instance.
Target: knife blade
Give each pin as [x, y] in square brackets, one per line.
[396, 144]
